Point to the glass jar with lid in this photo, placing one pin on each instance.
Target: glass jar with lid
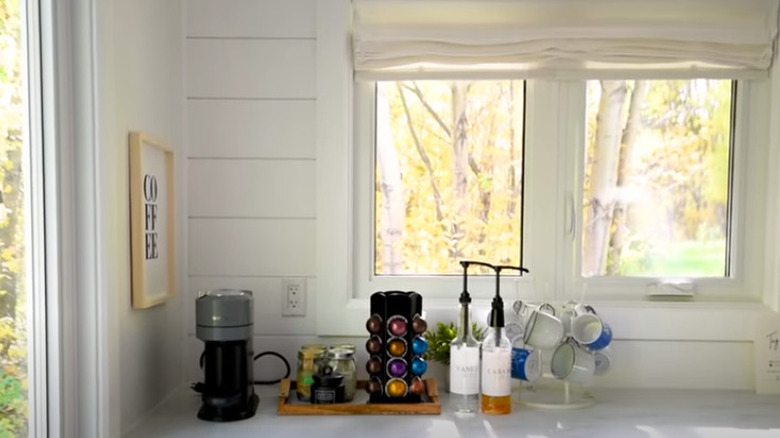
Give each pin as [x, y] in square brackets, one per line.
[308, 358]
[350, 347]
[342, 361]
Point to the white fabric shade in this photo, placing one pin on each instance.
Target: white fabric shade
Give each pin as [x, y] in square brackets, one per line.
[563, 38]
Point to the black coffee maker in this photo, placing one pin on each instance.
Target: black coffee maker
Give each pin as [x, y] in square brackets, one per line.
[224, 323]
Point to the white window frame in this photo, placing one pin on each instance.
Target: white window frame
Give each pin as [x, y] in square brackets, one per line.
[82, 337]
[67, 389]
[343, 304]
[39, 393]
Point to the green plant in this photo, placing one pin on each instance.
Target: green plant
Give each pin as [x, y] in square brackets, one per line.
[439, 341]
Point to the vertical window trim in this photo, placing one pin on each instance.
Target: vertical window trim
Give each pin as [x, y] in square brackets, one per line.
[38, 392]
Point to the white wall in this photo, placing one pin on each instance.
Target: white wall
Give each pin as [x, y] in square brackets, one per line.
[250, 87]
[141, 80]
[250, 122]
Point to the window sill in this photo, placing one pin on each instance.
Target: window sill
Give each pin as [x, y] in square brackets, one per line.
[630, 321]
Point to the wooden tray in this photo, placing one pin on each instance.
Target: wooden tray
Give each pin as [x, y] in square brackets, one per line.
[289, 404]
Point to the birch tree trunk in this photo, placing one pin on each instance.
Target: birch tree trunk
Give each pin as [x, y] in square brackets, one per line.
[460, 166]
[391, 187]
[517, 98]
[601, 193]
[621, 218]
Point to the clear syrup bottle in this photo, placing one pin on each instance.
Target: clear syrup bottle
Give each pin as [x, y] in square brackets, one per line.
[464, 357]
[496, 385]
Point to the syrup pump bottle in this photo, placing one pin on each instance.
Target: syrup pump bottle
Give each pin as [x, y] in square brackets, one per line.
[496, 359]
[464, 354]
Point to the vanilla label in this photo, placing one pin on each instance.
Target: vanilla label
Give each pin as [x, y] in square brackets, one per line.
[464, 370]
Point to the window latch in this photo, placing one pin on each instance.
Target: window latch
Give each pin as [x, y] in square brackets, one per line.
[671, 289]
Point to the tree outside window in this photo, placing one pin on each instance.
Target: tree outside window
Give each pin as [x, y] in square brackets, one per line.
[656, 190]
[449, 173]
[13, 348]
[657, 178]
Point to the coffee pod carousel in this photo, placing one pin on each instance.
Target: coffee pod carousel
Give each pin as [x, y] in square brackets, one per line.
[557, 350]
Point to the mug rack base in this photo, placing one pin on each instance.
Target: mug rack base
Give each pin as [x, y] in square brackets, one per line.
[290, 405]
[555, 397]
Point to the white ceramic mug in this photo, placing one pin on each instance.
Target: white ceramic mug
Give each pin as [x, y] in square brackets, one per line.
[522, 310]
[573, 363]
[543, 330]
[586, 326]
[603, 360]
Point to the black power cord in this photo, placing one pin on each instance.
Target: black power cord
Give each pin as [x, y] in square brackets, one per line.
[198, 387]
[286, 365]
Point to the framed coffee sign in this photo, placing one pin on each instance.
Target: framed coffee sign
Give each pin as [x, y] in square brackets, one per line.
[152, 221]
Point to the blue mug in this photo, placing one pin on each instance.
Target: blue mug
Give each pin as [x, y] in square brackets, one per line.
[526, 364]
[604, 338]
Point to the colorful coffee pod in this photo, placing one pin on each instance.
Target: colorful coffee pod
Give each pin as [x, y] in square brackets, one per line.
[419, 345]
[374, 386]
[396, 347]
[396, 388]
[419, 366]
[418, 386]
[374, 365]
[374, 345]
[397, 326]
[419, 326]
[396, 367]
[374, 324]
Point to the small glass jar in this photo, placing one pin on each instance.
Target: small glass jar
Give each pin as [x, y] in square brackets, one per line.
[328, 387]
[342, 360]
[308, 356]
[350, 347]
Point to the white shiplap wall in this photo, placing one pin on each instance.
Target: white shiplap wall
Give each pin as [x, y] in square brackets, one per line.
[250, 78]
[250, 126]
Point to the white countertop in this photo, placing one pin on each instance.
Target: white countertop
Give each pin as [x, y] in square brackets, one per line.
[620, 413]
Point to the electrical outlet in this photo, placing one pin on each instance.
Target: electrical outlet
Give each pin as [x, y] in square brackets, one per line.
[294, 297]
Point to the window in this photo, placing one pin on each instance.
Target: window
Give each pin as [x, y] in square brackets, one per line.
[449, 173]
[664, 190]
[700, 137]
[656, 184]
[420, 219]
[657, 178]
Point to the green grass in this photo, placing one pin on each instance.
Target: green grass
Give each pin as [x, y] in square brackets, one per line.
[691, 258]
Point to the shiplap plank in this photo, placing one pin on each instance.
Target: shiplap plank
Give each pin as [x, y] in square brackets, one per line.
[262, 247]
[251, 128]
[229, 68]
[251, 18]
[267, 293]
[251, 188]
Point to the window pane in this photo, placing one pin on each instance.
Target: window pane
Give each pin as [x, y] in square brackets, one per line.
[657, 178]
[13, 317]
[449, 172]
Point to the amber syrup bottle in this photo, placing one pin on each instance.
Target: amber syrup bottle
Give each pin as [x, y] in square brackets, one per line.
[496, 384]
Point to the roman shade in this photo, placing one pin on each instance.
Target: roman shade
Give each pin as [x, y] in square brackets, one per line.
[394, 39]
